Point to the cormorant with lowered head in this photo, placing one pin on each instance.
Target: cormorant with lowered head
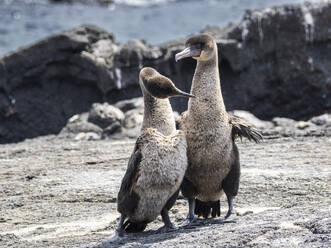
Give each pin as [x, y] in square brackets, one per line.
[158, 162]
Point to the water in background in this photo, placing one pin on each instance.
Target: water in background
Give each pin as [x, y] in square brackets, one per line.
[156, 21]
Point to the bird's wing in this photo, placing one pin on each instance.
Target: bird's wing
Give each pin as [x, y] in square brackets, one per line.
[127, 199]
[241, 128]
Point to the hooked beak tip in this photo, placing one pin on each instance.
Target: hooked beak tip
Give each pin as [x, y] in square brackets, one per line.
[184, 94]
[188, 52]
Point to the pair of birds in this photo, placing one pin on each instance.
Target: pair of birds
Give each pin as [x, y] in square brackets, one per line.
[201, 159]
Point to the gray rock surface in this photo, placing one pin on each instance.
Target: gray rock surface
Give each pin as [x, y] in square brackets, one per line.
[274, 63]
[283, 122]
[78, 124]
[256, 122]
[133, 119]
[324, 119]
[67, 196]
[104, 115]
[129, 104]
[105, 121]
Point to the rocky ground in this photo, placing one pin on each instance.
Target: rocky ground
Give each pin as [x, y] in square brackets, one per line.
[124, 119]
[57, 191]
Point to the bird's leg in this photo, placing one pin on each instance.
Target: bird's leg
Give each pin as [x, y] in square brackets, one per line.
[119, 231]
[120, 227]
[230, 183]
[190, 216]
[230, 204]
[168, 226]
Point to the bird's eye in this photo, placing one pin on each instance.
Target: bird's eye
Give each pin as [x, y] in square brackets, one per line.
[199, 46]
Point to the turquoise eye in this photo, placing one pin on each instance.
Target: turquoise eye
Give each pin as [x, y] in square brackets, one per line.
[198, 46]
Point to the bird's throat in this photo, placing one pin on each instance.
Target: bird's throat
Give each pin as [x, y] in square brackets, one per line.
[206, 87]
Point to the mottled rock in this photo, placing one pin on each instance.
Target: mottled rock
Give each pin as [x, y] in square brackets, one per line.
[105, 115]
[284, 122]
[303, 124]
[129, 104]
[78, 124]
[133, 118]
[252, 119]
[283, 200]
[324, 119]
[87, 136]
[115, 127]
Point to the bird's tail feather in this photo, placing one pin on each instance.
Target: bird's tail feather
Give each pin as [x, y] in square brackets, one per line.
[133, 227]
[207, 209]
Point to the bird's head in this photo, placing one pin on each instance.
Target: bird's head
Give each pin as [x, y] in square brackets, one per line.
[201, 47]
[158, 85]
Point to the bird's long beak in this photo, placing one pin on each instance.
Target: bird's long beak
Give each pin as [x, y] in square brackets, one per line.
[188, 52]
[184, 94]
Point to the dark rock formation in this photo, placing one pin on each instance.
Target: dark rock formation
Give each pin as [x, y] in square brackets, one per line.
[51, 81]
[105, 115]
[90, 2]
[274, 63]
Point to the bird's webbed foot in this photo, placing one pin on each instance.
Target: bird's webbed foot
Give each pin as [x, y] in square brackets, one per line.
[166, 229]
[168, 226]
[117, 236]
[119, 233]
[188, 222]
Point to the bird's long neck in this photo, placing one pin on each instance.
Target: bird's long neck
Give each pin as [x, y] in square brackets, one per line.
[158, 114]
[207, 89]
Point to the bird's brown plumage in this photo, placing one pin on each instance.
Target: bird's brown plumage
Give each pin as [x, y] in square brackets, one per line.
[213, 158]
[158, 162]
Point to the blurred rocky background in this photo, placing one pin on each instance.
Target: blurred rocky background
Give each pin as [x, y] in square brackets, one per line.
[274, 63]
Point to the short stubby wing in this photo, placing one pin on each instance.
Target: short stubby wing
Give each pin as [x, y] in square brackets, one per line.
[127, 199]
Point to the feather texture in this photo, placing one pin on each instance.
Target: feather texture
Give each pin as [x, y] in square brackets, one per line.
[241, 128]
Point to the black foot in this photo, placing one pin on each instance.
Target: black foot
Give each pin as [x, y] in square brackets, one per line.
[207, 209]
[189, 221]
[118, 236]
[166, 229]
[230, 210]
[228, 214]
[168, 226]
